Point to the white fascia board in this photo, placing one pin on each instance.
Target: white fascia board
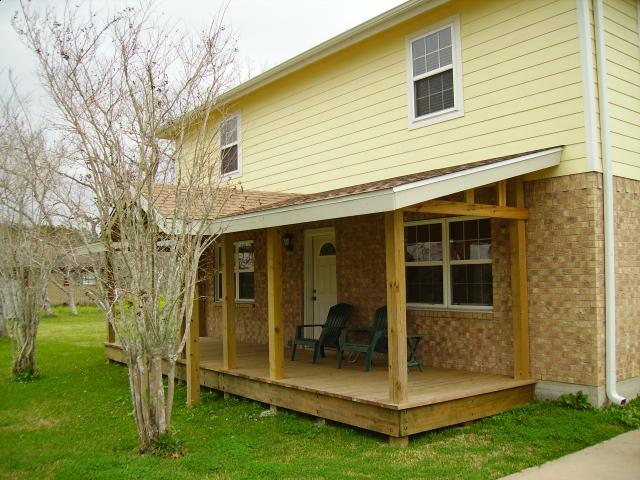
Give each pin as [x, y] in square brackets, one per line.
[423, 190]
[389, 199]
[347, 206]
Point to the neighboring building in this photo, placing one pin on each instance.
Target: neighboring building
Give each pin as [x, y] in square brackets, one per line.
[472, 133]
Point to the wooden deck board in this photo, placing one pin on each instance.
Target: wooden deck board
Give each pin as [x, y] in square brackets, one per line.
[434, 385]
[436, 397]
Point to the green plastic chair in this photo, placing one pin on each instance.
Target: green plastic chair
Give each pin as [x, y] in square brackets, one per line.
[377, 340]
[336, 322]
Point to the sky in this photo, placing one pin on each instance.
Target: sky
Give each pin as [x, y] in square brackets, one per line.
[268, 31]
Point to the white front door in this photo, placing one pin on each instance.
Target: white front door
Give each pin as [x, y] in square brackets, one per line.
[323, 289]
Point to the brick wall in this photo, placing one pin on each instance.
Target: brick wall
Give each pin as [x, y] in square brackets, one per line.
[627, 205]
[565, 274]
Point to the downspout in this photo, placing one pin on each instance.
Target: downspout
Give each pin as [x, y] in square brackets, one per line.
[607, 189]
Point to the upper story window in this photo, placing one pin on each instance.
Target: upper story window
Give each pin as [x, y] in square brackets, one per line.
[435, 75]
[230, 151]
[448, 263]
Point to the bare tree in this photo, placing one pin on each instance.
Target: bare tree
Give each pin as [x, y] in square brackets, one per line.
[27, 210]
[119, 85]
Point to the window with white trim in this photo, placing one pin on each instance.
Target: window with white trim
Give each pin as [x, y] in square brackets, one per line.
[244, 265]
[230, 145]
[448, 263]
[435, 72]
[217, 274]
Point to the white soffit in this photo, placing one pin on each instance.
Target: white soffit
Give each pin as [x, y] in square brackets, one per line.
[391, 198]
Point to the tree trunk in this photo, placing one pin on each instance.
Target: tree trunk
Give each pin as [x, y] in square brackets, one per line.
[47, 305]
[71, 300]
[148, 398]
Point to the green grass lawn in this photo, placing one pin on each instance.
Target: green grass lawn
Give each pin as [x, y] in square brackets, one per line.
[75, 422]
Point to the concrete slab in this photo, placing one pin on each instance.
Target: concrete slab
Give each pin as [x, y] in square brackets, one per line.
[617, 458]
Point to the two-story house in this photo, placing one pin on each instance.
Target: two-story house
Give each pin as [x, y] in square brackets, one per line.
[475, 167]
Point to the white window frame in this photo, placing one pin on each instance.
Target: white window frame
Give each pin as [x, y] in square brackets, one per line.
[446, 267]
[217, 274]
[456, 61]
[238, 143]
[237, 271]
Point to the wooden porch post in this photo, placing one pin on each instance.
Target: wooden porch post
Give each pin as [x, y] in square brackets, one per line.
[193, 351]
[396, 306]
[519, 293]
[228, 305]
[274, 296]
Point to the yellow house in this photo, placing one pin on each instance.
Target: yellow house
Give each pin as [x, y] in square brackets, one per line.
[475, 167]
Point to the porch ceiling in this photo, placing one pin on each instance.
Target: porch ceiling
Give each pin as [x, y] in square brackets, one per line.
[388, 195]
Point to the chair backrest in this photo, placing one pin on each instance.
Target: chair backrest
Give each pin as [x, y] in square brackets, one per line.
[380, 319]
[336, 321]
[379, 333]
[337, 316]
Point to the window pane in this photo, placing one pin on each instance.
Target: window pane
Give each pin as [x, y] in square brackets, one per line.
[424, 285]
[229, 131]
[418, 48]
[246, 289]
[438, 89]
[419, 66]
[245, 257]
[423, 243]
[229, 159]
[470, 240]
[432, 43]
[219, 286]
[471, 285]
[432, 62]
[446, 56]
[444, 37]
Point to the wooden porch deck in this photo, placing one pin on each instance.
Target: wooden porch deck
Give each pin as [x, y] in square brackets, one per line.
[437, 397]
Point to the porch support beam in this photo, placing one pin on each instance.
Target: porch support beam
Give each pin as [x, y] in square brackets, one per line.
[274, 302]
[228, 305]
[470, 209]
[502, 193]
[519, 292]
[193, 351]
[396, 306]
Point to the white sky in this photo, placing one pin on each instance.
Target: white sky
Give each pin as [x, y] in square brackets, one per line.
[268, 31]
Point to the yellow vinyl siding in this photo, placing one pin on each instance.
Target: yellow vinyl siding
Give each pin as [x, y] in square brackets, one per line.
[623, 78]
[343, 120]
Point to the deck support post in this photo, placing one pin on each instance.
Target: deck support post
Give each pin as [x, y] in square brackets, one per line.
[402, 442]
[193, 351]
[396, 306]
[229, 359]
[274, 301]
[519, 292]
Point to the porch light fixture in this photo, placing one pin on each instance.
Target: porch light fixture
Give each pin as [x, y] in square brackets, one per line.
[287, 241]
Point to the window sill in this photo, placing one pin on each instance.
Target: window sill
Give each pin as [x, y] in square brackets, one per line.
[434, 118]
[231, 175]
[474, 309]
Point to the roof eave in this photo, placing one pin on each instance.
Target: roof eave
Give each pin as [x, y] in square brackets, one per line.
[391, 198]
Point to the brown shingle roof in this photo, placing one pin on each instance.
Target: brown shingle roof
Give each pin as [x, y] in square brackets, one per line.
[382, 184]
[235, 201]
[228, 201]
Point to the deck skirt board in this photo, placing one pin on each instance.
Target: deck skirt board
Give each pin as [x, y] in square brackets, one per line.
[436, 397]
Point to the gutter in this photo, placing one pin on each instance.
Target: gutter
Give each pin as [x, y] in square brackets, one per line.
[608, 203]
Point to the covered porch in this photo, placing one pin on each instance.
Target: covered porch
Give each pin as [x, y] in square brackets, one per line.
[392, 399]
